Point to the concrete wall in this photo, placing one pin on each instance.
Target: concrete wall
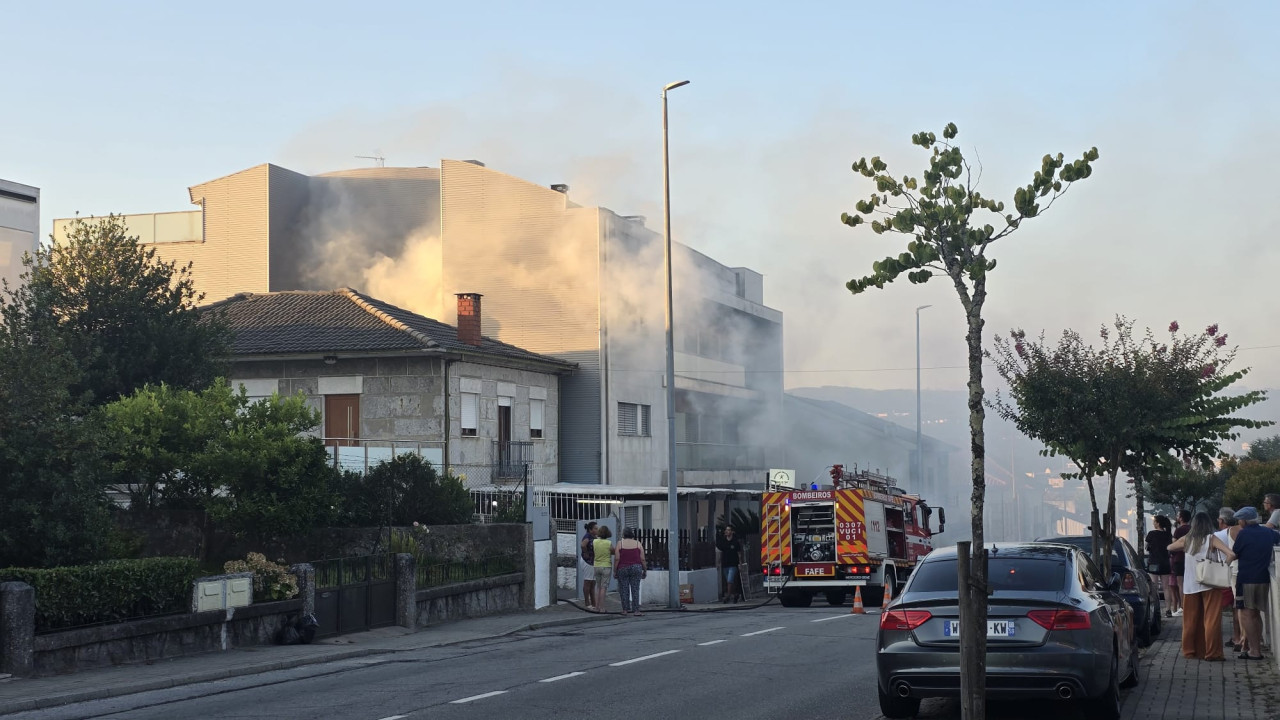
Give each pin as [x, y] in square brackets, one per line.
[19, 227]
[475, 453]
[477, 598]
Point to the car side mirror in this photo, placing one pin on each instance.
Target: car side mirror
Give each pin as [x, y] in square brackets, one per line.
[942, 521]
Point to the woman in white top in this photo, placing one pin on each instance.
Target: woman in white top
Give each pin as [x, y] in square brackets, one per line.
[1201, 604]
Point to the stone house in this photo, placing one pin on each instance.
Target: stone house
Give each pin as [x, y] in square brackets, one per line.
[388, 381]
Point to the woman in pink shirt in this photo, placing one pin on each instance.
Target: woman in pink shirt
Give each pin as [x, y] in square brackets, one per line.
[629, 568]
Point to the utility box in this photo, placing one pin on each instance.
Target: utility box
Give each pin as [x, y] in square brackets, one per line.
[222, 591]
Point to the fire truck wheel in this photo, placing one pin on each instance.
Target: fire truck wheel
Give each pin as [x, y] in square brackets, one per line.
[795, 598]
[835, 597]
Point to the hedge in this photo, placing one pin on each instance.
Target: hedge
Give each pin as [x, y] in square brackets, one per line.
[111, 591]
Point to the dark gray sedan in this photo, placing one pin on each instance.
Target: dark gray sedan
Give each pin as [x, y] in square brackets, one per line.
[1055, 629]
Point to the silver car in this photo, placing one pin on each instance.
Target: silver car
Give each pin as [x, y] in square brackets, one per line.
[1055, 629]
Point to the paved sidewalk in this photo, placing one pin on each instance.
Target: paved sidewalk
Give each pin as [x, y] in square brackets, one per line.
[18, 694]
[1175, 688]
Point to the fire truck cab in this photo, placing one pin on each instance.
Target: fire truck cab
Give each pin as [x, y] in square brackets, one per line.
[864, 532]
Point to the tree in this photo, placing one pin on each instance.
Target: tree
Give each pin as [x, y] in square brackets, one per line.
[247, 465]
[409, 489]
[1251, 481]
[938, 215]
[127, 318]
[1127, 406]
[1265, 450]
[52, 512]
[1171, 490]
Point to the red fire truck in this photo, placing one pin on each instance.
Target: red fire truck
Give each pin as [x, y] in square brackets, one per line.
[864, 532]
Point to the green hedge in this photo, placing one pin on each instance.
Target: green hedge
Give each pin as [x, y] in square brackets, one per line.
[111, 591]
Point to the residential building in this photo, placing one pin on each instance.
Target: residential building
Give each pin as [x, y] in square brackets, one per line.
[19, 228]
[387, 381]
[583, 284]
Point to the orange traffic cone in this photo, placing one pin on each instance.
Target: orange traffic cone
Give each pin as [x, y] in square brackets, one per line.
[888, 597]
[857, 608]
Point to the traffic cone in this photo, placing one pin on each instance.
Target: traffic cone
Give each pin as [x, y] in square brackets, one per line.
[888, 597]
[857, 608]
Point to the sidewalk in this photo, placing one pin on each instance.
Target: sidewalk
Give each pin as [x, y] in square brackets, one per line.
[19, 694]
[1175, 688]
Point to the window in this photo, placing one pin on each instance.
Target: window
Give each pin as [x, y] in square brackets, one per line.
[1039, 574]
[633, 419]
[537, 410]
[470, 414]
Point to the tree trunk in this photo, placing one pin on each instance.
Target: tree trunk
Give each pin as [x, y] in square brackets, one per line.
[973, 593]
[1109, 530]
[1139, 501]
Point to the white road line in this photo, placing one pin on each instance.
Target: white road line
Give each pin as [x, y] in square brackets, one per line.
[478, 697]
[393, 717]
[761, 632]
[562, 677]
[711, 642]
[832, 617]
[646, 657]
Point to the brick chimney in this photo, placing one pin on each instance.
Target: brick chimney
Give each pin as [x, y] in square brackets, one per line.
[469, 318]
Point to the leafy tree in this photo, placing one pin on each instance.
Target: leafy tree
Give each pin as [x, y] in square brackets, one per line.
[247, 465]
[52, 512]
[1265, 450]
[1172, 489]
[409, 489]
[1252, 480]
[127, 318]
[941, 216]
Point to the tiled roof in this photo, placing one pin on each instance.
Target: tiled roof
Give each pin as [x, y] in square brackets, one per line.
[344, 321]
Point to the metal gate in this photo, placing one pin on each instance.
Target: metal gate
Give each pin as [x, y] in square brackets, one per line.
[355, 594]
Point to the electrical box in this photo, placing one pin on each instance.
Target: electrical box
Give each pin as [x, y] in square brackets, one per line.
[223, 591]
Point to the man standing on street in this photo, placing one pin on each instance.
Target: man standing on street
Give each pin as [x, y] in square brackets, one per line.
[1255, 545]
[585, 564]
[730, 549]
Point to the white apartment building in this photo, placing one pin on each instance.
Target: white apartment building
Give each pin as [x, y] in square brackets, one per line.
[19, 227]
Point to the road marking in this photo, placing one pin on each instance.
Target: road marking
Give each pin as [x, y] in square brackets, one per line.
[393, 717]
[711, 642]
[478, 697]
[646, 657]
[761, 632]
[832, 617]
[562, 677]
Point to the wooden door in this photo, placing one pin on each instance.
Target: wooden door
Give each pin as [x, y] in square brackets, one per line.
[342, 420]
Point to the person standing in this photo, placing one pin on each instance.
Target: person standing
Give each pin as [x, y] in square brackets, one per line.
[603, 548]
[730, 549]
[1228, 528]
[1271, 504]
[1158, 542]
[1255, 546]
[587, 564]
[629, 567]
[1202, 619]
[1178, 562]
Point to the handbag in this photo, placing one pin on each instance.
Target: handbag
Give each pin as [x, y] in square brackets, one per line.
[1213, 572]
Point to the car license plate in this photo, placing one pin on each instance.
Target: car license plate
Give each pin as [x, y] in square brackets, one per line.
[805, 570]
[995, 628]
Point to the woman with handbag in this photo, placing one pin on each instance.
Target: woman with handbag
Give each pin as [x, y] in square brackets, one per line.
[1206, 575]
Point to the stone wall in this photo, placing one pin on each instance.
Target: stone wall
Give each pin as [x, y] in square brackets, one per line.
[477, 598]
[162, 637]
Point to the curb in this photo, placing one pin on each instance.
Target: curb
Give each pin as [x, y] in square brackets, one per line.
[78, 696]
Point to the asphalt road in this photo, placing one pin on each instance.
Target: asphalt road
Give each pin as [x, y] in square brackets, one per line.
[763, 663]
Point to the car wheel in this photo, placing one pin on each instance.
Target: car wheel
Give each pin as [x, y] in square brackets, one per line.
[795, 598]
[1107, 705]
[897, 707]
[1133, 679]
[835, 597]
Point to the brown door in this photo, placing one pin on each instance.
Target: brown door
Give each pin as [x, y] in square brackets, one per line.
[504, 424]
[342, 420]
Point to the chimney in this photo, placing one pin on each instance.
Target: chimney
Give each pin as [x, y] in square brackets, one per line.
[469, 318]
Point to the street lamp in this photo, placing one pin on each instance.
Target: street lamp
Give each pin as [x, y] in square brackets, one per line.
[919, 450]
[673, 512]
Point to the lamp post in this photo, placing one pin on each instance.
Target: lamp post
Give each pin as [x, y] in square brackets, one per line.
[919, 450]
[673, 508]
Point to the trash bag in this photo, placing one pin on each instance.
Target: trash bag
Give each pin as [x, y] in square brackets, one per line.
[299, 631]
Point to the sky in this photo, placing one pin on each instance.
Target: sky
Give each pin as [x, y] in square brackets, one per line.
[121, 108]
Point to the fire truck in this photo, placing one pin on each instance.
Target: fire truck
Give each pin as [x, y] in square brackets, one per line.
[863, 532]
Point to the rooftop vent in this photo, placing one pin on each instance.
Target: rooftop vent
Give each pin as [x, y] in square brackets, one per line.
[637, 218]
[560, 188]
[474, 162]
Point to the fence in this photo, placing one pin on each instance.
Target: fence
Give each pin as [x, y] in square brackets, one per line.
[464, 571]
[695, 555]
[360, 455]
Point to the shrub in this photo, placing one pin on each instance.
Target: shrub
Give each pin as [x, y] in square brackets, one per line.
[110, 591]
[401, 491]
[270, 581]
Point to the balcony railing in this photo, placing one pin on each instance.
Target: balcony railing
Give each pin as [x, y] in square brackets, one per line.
[361, 455]
[709, 456]
[510, 458]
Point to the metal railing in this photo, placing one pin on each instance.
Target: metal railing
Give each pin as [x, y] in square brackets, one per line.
[359, 455]
[510, 458]
[450, 573]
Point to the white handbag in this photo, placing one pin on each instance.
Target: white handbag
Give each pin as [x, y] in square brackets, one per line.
[1213, 572]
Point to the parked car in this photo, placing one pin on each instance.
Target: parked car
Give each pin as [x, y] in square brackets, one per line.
[1135, 584]
[1055, 630]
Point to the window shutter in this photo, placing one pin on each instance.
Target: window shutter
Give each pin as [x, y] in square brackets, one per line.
[536, 410]
[470, 411]
[644, 420]
[628, 419]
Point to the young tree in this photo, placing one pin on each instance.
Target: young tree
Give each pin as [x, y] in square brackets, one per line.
[941, 216]
[1171, 489]
[247, 465]
[127, 318]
